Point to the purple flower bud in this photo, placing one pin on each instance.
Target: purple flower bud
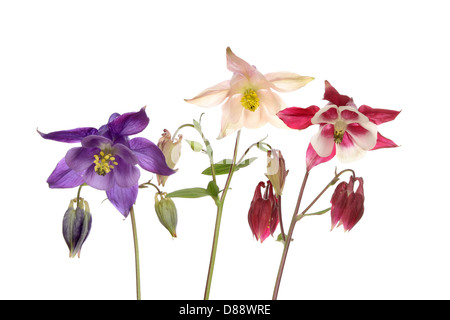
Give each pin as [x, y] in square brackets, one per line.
[76, 226]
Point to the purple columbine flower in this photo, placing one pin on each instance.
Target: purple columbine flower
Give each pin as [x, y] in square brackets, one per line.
[107, 158]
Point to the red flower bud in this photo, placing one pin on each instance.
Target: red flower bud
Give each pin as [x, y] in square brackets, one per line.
[347, 206]
[263, 212]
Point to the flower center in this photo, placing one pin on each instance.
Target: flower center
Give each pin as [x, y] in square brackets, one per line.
[339, 130]
[103, 163]
[250, 100]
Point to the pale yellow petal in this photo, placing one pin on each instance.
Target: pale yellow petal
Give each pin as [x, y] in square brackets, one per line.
[287, 81]
[212, 96]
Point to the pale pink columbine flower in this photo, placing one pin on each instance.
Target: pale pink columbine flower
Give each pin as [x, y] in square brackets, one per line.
[345, 130]
[251, 102]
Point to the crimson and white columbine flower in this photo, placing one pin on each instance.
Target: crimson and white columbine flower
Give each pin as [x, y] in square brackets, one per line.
[251, 102]
[345, 130]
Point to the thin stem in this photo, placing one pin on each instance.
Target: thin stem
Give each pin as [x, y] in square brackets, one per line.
[280, 219]
[181, 127]
[136, 254]
[149, 183]
[289, 238]
[78, 194]
[218, 220]
[296, 217]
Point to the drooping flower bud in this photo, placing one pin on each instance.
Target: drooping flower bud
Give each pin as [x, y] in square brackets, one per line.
[347, 206]
[171, 150]
[167, 213]
[263, 212]
[276, 170]
[76, 226]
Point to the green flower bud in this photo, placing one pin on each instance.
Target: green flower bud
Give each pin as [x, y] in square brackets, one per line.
[76, 226]
[167, 213]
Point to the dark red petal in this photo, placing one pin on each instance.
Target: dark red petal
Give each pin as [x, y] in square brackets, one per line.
[383, 142]
[378, 116]
[313, 159]
[298, 118]
[333, 96]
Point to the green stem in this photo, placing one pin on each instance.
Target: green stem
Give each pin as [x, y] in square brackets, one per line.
[136, 254]
[218, 220]
[79, 193]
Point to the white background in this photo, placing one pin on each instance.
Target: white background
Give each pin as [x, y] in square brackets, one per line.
[70, 64]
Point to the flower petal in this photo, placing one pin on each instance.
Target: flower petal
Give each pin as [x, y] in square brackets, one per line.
[125, 174]
[150, 157]
[254, 119]
[323, 141]
[378, 116]
[96, 142]
[383, 142]
[270, 101]
[333, 96]
[313, 159]
[363, 134]
[123, 198]
[232, 116]
[97, 181]
[212, 96]
[287, 81]
[348, 150]
[328, 114]
[125, 153]
[69, 136]
[238, 65]
[80, 158]
[128, 123]
[298, 118]
[64, 177]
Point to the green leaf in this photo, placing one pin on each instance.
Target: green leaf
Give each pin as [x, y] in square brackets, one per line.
[223, 167]
[189, 193]
[197, 125]
[213, 189]
[195, 146]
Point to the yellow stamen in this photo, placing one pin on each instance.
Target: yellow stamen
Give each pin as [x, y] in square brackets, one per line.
[250, 100]
[103, 163]
[339, 130]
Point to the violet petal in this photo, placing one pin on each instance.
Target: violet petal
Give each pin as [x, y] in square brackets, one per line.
[64, 177]
[128, 124]
[69, 136]
[97, 181]
[80, 158]
[125, 174]
[123, 198]
[150, 157]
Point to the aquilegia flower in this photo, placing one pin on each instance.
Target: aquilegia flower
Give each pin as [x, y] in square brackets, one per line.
[263, 213]
[107, 158]
[251, 102]
[345, 130]
[347, 206]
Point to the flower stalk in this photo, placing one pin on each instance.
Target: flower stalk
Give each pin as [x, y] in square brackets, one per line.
[220, 204]
[297, 217]
[136, 254]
